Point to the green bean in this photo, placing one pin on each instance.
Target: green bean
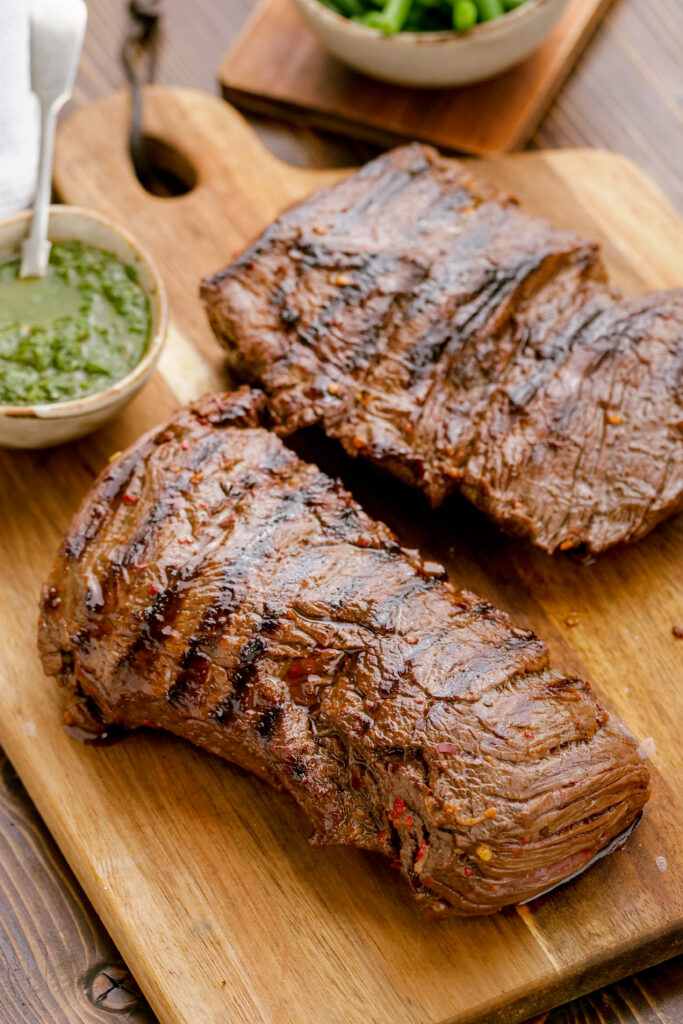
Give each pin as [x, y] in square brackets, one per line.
[370, 19]
[392, 16]
[389, 20]
[464, 15]
[489, 9]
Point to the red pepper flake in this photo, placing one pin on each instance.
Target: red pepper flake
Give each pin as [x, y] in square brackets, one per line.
[363, 542]
[566, 545]
[201, 504]
[518, 853]
[228, 521]
[122, 539]
[140, 565]
[469, 871]
[396, 864]
[407, 821]
[202, 420]
[529, 735]
[250, 266]
[420, 853]
[154, 590]
[130, 499]
[184, 445]
[381, 836]
[677, 632]
[146, 722]
[399, 808]
[358, 442]
[526, 839]
[447, 748]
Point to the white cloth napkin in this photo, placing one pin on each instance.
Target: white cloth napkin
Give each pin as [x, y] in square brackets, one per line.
[18, 110]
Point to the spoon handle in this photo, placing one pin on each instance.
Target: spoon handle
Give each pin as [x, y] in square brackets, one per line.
[57, 30]
[35, 249]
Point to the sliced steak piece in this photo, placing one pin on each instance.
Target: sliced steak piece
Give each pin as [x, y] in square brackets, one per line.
[214, 585]
[435, 328]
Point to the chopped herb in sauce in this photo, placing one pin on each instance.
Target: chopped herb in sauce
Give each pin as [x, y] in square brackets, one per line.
[72, 333]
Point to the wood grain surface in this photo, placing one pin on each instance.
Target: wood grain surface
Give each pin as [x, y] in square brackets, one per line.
[201, 874]
[58, 965]
[623, 93]
[57, 962]
[278, 67]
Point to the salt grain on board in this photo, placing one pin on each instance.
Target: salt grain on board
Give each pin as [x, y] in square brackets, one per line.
[661, 863]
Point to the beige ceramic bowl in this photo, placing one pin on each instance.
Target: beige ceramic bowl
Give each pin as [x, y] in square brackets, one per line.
[434, 59]
[38, 426]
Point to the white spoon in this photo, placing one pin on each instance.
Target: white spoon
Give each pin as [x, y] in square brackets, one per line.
[57, 28]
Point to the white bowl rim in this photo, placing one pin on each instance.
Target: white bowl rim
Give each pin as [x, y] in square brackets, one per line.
[490, 28]
[77, 407]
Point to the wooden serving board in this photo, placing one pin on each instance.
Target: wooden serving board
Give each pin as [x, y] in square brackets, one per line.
[278, 67]
[202, 874]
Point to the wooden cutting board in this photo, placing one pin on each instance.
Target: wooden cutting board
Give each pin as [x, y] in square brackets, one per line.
[201, 873]
[277, 67]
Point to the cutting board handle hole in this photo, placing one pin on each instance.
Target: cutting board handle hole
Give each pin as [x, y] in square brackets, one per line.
[166, 172]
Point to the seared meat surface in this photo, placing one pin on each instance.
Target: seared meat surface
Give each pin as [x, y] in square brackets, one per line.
[214, 585]
[433, 327]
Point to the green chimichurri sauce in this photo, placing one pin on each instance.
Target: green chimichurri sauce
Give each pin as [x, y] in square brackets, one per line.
[72, 333]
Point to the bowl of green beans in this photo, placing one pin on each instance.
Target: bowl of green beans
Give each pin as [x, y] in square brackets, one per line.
[431, 43]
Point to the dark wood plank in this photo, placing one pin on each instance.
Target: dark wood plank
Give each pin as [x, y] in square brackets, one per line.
[654, 996]
[57, 963]
[622, 96]
[625, 92]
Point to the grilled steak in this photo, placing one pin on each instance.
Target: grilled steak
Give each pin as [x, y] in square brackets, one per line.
[435, 328]
[214, 585]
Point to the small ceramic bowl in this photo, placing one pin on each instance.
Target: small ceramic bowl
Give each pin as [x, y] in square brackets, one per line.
[434, 59]
[39, 426]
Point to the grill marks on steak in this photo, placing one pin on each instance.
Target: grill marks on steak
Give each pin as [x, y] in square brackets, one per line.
[430, 325]
[241, 599]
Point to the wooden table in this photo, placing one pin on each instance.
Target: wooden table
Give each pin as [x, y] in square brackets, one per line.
[57, 964]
